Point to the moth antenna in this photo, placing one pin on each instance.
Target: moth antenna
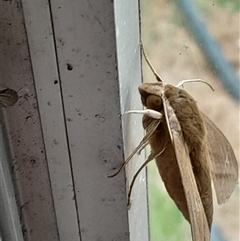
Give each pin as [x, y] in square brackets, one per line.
[194, 80]
[158, 77]
[141, 144]
[150, 158]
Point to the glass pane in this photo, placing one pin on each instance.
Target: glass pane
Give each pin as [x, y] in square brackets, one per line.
[176, 55]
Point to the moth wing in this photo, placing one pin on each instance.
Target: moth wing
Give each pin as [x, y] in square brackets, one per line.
[223, 163]
[199, 225]
[8, 97]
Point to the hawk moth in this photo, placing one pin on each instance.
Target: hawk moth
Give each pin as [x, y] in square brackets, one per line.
[189, 151]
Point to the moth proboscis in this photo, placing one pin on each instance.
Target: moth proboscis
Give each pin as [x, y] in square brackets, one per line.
[189, 150]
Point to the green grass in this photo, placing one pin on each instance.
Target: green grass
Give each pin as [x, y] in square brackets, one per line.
[166, 221]
[233, 4]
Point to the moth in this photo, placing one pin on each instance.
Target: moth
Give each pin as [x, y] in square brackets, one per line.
[189, 150]
[8, 97]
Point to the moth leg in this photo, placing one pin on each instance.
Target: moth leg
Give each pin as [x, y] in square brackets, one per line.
[181, 83]
[150, 158]
[158, 77]
[140, 150]
[149, 112]
[142, 143]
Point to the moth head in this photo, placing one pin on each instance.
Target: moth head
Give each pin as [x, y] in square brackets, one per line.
[151, 95]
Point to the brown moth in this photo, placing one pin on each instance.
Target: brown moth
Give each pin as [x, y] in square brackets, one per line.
[8, 97]
[189, 150]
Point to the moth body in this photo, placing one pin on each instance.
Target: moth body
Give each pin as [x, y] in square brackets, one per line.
[194, 134]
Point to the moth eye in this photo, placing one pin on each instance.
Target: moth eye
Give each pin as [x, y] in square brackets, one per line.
[154, 102]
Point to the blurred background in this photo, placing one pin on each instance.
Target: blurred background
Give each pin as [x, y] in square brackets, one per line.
[176, 55]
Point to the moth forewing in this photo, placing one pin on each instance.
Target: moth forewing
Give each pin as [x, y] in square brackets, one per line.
[199, 225]
[223, 162]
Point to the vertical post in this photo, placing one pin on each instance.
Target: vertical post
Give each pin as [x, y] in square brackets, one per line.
[130, 77]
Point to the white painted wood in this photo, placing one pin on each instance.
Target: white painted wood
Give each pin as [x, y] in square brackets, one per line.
[86, 50]
[41, 44]
[84, 80]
